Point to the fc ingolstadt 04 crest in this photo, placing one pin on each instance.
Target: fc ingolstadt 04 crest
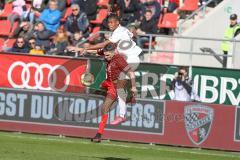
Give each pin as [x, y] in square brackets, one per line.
[198, 120]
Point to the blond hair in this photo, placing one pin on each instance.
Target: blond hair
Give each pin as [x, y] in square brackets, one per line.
[57, 38]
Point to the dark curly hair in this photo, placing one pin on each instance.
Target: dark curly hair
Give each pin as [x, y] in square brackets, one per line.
[113, 16]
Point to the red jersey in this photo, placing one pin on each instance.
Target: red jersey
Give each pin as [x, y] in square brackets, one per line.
[115, 66]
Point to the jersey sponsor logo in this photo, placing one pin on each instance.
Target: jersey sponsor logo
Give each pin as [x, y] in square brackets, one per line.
[125, 44]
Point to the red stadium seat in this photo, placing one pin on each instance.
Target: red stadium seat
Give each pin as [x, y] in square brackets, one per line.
[100, 17]
[94, 33]
[69, 2]
[9, 43]
[1, 44]
[103, 2]
[169, 20]
[67, 13]
[95, 30]
[7, 10]
[153, 44]
[189, 5]
[5, 27]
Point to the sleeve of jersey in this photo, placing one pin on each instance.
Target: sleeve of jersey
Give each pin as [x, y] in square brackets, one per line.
[114, 38]
[122, 64]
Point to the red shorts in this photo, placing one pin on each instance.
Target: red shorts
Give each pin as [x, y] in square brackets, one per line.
[111, 89]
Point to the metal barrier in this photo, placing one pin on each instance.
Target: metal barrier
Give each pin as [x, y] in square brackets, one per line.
[186, 48]
[193, 47]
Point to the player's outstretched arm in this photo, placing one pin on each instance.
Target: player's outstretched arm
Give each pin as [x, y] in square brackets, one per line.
[90, 48]
[99, 45]
[75, 49]
[90, 51]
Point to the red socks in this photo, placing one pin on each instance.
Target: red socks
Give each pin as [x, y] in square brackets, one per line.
[102, 124]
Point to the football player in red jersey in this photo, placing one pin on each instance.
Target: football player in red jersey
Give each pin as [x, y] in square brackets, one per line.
[114, 84]
[122, 38]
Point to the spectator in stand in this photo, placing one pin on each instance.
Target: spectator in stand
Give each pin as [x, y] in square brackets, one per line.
[171, 5]
[31, 43]
[37, 50]
[51, 17]
[62, 5]
[148, 25]
[42, 36]
[129, 11]
[25, 30]
[154, 6]
[77, 22]
[231, 32]
[60, 42]
[133, 30]
[20, 46]
[37, 7]
[78, 40]
[2, 4]
[89, 7]
[113, 6]
[19, 6]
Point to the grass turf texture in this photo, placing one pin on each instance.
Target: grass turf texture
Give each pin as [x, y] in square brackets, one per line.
[15, 146]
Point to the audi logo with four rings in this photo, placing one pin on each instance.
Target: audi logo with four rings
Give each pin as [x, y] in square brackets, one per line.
[38, 76]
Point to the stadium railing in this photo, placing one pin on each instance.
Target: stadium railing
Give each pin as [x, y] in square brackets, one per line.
[192, 47]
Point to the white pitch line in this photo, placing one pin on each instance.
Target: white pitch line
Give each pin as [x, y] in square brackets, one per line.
[169, 150]
[121, 145]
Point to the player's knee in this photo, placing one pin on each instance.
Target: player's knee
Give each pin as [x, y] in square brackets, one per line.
[112, 95]
[104, 110]
[121, 93]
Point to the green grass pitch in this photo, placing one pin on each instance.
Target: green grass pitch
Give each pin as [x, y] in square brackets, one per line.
[18, 146]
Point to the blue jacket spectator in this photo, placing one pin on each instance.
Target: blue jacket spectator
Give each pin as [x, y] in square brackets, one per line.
[51, 16]
[77, 22]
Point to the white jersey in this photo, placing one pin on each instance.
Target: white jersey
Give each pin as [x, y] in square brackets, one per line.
[125, 45]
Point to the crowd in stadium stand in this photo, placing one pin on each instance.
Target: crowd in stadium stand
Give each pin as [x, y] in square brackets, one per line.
[49, 26]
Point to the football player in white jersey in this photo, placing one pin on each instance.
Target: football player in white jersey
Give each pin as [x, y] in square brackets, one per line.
[122, 37]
